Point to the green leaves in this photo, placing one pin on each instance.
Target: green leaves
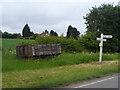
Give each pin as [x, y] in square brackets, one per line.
[104, 19]
[26, 31]
[72, 32]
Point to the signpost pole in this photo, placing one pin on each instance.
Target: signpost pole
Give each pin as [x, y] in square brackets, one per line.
[101, 39]
[100, 57]
[101, 48]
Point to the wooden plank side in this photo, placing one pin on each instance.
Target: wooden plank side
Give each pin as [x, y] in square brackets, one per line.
[38, 50]
[17, 50]
[21, 51]
[25, 51]
[30, 50]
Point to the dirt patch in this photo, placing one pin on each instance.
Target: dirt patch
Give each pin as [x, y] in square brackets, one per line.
[96, 64]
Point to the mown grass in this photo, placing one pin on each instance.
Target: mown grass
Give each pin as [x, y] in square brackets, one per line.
[12, 43]
[62, 75]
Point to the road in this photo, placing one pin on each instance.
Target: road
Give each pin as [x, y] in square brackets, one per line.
[109, 81]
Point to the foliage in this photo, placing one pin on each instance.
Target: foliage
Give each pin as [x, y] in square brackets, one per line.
[53, 33]
[89, 42]
[26, 31]
[46, 31]
[85, 43]
[72, 32]
[9, 35]
[104, 19]
[68, 45]
[34, 36]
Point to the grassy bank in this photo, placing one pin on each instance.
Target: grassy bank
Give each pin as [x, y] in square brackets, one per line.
[62, 75]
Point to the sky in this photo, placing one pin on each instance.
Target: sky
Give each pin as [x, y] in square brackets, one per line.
[40, 15]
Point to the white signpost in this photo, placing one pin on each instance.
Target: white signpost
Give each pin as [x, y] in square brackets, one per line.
[101, 39]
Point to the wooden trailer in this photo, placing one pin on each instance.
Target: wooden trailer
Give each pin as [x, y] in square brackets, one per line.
[38, 50]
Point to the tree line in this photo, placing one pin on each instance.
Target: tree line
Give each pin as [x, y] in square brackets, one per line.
[71, 32]
[10, 35]
[26, 32]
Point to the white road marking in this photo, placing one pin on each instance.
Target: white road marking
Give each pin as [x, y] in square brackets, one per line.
[95, 82]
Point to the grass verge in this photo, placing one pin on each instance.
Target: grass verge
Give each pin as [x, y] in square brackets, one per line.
[52, 77]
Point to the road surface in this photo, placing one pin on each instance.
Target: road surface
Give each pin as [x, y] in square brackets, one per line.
[109, 81]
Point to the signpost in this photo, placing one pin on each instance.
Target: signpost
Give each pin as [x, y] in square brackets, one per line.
[101, 39]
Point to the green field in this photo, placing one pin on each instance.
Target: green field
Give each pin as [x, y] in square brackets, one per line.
[17, 69]
[11, 43]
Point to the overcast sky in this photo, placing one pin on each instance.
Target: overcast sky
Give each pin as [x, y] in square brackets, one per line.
[50, 15]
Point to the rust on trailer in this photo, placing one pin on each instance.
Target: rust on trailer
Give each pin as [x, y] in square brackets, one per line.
[37, 50]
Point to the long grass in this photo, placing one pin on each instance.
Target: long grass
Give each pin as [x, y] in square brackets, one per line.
[13, 63]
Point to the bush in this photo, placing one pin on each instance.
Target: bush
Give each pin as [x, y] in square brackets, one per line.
[89, 42]
[68, 45]
[86, 43]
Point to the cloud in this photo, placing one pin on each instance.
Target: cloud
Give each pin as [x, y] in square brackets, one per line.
[45, 15]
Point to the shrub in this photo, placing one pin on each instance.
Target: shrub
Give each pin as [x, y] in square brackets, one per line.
[68, 45]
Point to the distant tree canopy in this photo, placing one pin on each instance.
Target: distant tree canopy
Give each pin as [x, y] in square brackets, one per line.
[104, 19]
[46, 31]
[53, 33]
[72, 32]
[9, 35]
[26, 31]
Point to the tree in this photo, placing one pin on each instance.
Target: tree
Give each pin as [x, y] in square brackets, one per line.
[46, 31]
[104, 19]
[26, 31]
[53, 33]
[5, 35]
[89, 42]
[72, 32]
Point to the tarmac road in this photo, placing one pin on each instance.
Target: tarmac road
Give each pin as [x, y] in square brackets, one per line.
[109, 81]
